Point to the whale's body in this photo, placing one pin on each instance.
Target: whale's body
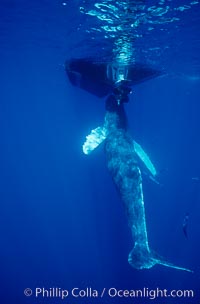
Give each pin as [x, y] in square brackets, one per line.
[122, 163]
[123, 167]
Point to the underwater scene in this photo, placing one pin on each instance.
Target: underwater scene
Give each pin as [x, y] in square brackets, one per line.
[99, 151]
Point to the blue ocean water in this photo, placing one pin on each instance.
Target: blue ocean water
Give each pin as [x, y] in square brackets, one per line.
[62, 223]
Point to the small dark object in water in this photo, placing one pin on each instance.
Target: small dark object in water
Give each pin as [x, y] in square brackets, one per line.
[185, 225]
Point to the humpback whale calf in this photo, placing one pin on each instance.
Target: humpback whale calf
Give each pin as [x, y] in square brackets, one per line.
[123, 157]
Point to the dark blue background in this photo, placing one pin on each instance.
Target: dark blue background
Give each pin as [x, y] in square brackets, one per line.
[61, 221]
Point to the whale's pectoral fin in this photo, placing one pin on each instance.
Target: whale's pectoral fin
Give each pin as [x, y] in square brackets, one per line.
[94, 139]
[145, 159]
[142, 258]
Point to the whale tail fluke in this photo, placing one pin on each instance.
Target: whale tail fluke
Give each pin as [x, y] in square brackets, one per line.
[143, 258]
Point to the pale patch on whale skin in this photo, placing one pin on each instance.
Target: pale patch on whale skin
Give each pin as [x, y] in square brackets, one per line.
[122, 161]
